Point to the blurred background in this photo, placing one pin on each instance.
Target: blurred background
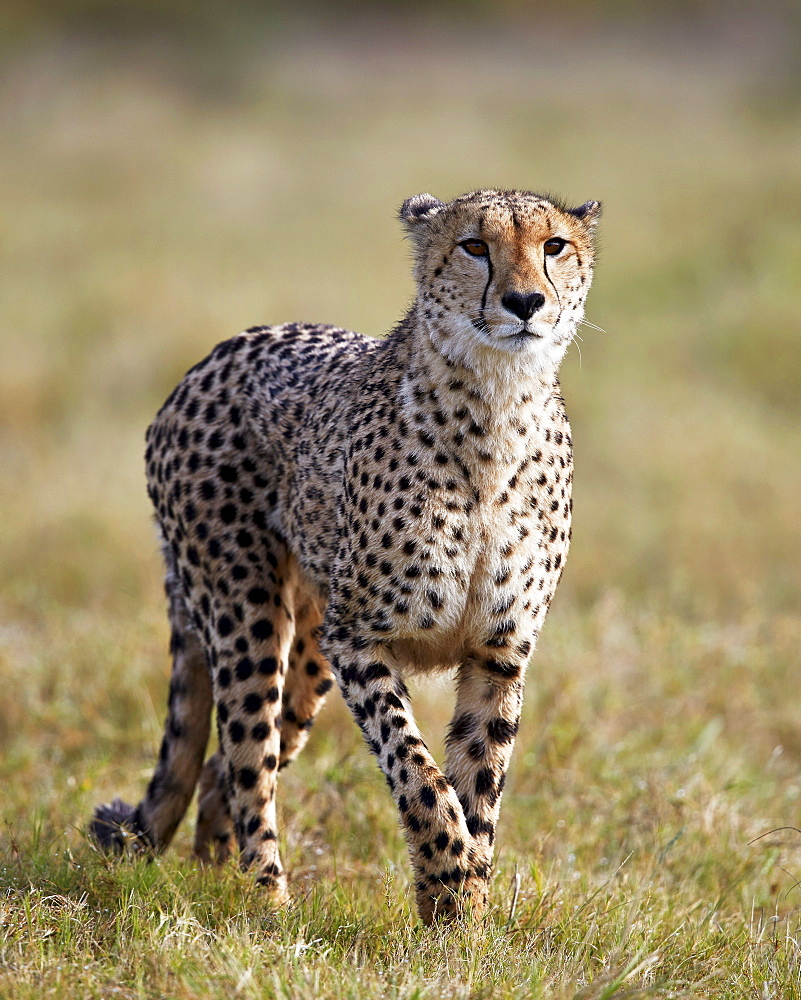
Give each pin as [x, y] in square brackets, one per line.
[168, 178]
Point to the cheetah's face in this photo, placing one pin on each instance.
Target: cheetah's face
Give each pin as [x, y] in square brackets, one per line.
[504, 271]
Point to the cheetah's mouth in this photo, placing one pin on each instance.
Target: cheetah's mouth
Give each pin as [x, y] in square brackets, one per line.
[523, 334]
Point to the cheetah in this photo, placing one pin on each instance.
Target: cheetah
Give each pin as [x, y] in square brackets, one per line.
[336, 508]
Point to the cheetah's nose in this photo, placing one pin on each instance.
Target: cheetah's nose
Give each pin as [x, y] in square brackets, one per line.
[522, 305]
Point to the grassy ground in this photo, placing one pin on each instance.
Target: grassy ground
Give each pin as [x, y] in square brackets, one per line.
[154, 200]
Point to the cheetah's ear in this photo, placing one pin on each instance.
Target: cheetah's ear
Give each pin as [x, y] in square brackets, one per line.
[589, 213]
[418, 208]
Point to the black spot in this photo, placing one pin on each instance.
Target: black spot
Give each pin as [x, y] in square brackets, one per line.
[375, 670]
[502, 668]
[460, 727]
[252, 703]
[485, 782]
[244, 668]
[475, 826]
[246, 777]
[427, 796]
[261, 629]
[502, 730]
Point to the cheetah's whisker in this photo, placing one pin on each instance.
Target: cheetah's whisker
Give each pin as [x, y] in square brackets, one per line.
[576, 338]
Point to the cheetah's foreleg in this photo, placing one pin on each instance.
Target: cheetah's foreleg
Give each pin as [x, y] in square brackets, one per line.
[480, 741]
[449, 865]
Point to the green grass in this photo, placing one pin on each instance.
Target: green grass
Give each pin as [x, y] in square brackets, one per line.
[154, 201]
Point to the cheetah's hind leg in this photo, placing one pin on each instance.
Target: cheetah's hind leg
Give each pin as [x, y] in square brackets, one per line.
[152, 823]
[215, 840]
[308, 681]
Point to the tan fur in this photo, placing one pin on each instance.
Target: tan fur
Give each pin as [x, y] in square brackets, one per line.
[338, 506]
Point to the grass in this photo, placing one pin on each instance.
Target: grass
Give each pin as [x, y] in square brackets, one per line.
[157, 198]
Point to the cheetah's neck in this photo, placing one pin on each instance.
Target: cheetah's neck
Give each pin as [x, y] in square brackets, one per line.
[486, 416]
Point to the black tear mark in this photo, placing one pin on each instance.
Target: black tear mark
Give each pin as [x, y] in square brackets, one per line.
[553, 286]
[489, 275]
[486, 289]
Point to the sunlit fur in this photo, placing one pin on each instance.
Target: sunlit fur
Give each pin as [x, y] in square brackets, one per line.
[336, 507]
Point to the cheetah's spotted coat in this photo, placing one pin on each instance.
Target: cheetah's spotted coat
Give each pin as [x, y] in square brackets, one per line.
[336, 507]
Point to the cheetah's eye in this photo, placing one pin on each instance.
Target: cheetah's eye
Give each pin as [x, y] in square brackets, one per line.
[553, 246]
[476, 248]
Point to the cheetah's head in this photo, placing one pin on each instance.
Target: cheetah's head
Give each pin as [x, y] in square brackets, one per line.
[501, 271]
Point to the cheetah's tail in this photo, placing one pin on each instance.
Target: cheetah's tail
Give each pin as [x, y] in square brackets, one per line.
[115, 828]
